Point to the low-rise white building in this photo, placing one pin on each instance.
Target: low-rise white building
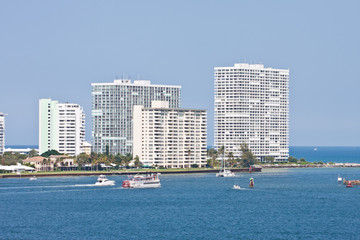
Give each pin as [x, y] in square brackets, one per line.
[169, 137]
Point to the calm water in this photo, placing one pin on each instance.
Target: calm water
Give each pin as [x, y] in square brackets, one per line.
[285, 204]
[327, 154]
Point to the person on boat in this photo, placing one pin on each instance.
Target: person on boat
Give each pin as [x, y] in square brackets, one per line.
[251, 184]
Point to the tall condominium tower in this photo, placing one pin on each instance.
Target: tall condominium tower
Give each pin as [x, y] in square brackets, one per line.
[252, 107]
[61, 127]
[112, 111]
[169, 137]
[2, 133]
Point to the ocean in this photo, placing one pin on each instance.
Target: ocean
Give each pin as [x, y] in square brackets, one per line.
[285, 204]
[327, 154]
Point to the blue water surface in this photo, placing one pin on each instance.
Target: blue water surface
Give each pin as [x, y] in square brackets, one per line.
[327, 154]
[285, 204]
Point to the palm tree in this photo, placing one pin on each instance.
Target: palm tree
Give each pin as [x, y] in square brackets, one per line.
[230, 157]
[212, 153]
[189, 154]
[221, 152]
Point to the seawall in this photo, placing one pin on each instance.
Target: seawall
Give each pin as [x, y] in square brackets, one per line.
[70, 174]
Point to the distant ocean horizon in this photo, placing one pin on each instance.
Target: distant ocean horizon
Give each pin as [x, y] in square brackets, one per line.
[326, 154]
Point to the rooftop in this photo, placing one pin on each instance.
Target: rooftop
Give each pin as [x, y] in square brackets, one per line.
[127, 82]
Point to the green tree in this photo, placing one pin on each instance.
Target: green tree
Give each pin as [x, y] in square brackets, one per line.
[137, 162]
[269, 159]
[247, 157]
[50, 152]
[212, 153]
[221, 152]
[230, 158]
[82, 159]
[33, 153]
[292, 159]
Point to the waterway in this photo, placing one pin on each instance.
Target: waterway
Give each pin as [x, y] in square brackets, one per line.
[285, 204]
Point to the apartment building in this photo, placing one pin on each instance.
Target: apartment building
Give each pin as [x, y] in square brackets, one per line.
[169, 137]
[112, 111]
[252, 106]
[61, 127]
[2, 133]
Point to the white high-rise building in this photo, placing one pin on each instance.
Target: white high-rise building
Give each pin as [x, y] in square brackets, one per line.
[169, 137]
[112, 111]
[61, 127]
[2, 133]
[252, 107]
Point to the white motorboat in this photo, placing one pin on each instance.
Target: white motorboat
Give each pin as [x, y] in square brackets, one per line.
[339, 179]
[140, 181]
[103, 181]
[225, 173]
[33, 178]
[236, 186]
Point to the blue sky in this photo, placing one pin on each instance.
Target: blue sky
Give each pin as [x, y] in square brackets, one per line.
[56, 49]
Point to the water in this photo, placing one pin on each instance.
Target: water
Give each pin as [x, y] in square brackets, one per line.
[327, 154]
[285, 204]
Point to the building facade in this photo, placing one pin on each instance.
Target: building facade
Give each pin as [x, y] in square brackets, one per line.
[170, 137]
[61, 127]
[252, 107]
[112, 111]
[2, 133]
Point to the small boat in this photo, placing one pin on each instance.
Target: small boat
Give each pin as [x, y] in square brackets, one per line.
[225, 173]
[339, 179]
[103, 181]
[236, 186]
[349, 184]
[140, 181]
[33, 178]
[315, 149]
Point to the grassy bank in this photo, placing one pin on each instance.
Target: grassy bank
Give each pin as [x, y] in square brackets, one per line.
[121, 172]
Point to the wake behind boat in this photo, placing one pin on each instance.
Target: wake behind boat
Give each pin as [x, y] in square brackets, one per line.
[140, 181]
[103, 181]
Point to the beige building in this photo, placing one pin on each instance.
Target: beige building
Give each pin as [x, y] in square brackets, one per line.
[86, 147]
[47, 164]
[169, 137]
[40, 163]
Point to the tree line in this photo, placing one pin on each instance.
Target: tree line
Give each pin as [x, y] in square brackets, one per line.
[246, 159]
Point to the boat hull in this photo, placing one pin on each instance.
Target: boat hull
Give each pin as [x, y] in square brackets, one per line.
[140, 184]
[108, 183]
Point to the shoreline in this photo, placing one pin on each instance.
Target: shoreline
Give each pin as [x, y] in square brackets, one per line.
[256, 168]
[125, 173]
[325, 165]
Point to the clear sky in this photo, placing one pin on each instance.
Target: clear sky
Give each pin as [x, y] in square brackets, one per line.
[56, 49]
